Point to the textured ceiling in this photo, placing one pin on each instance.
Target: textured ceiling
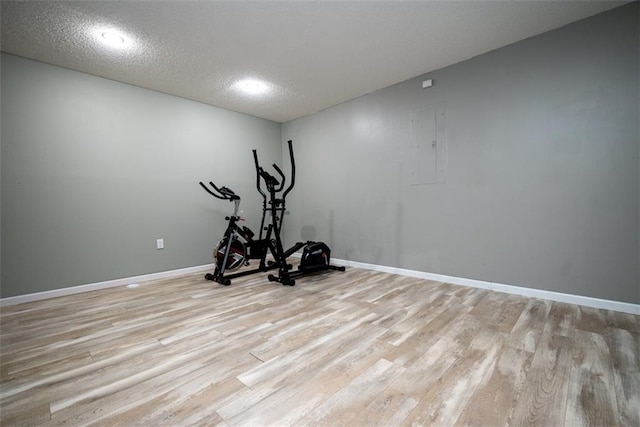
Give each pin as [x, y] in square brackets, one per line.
[315, 54]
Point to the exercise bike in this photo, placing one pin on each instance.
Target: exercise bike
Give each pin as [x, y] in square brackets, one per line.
[238, 245]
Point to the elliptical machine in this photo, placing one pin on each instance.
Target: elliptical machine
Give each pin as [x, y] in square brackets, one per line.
[238, 245]
[316, 256]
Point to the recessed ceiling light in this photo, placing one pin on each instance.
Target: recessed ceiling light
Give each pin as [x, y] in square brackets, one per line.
[112, 38]
[253, 87]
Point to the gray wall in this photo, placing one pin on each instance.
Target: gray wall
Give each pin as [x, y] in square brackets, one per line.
[540, 167]
[538, 174]
[94, 171]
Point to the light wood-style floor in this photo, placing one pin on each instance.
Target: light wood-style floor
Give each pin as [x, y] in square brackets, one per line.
[359, 348]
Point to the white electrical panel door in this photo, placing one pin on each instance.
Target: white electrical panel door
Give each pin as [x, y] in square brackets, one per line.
[424, 147]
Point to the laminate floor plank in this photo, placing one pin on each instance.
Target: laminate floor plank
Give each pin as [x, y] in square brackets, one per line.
[286, 376]
[562, 319]
[624, 321]
[544, 397]
[358, 348]
[527, 331]
[349, 402]
[278, 369]
[591, 320]
[505, 317]
[445, 400]
[200, 408]
[167, 390]
[624, 348]
[494, 401]
[472, 295]
[306, 390]
[415, 346]
[592, 397]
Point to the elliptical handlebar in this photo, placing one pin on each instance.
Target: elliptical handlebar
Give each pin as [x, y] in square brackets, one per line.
[271, 181]
[282, 179]
[258, 168]
[293, 170]
[273, 184]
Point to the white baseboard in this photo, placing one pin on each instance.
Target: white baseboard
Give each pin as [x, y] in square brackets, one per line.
[623, 307]
[102, 285]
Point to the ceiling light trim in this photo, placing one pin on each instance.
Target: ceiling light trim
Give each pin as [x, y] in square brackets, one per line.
[253, 87]
[113, 38]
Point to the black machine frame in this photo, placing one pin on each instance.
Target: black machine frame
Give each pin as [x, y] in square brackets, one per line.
[238, 246]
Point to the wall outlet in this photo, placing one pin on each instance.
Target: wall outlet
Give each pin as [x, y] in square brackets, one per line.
[160, 244]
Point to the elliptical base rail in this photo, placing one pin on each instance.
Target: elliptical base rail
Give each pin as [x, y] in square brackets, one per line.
[316, 257]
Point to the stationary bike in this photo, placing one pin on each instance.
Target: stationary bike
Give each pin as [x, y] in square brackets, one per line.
[237, 246]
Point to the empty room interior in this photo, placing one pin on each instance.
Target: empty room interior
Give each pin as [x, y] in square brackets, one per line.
[296, 213]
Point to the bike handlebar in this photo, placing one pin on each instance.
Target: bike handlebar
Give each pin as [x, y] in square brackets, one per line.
[224, 193]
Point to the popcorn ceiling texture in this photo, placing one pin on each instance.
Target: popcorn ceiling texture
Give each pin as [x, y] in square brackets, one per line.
[314, 54]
